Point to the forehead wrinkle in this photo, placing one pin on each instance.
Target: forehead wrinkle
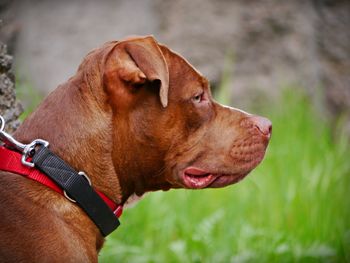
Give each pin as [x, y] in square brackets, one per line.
[204, 82]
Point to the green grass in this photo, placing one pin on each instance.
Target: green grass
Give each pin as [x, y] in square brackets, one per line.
[27, 95]
[295, 207]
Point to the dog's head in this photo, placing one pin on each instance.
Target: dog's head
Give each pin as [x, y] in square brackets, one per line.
[168, 132]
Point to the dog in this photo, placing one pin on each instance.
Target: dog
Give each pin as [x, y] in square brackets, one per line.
[136, 117]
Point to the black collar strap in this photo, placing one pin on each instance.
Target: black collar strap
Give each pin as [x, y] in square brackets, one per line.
[77, 188]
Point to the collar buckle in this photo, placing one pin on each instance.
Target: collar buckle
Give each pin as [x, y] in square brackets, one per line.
[27, 150]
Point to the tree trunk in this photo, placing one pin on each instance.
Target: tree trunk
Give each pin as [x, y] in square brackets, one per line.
[10, 109]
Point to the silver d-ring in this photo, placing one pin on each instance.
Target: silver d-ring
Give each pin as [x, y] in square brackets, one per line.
[30, 147]
[87, 179]
[67, 196]
[85, 176]
[2, 123]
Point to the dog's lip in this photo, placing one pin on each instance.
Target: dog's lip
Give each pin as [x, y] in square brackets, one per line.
[196, 178]
[227, 179]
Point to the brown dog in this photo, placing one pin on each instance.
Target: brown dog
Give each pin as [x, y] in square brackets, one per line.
[109, 121]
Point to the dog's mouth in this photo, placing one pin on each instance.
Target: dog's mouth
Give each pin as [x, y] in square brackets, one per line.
[196, 178]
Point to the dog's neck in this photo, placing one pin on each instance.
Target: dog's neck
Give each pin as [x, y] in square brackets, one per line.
[79, 131]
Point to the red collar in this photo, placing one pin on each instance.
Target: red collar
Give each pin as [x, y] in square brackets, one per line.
[10, 161]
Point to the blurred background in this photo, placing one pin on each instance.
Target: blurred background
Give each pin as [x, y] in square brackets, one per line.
[287, 60]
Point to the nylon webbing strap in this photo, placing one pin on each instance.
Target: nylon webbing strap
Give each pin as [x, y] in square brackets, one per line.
[78, 188]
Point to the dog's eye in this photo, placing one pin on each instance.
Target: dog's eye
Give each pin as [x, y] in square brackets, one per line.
[198, 98]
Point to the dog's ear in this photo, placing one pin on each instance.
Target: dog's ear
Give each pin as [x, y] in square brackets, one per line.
[144, 61]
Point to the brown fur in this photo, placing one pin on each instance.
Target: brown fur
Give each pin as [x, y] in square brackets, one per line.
[128, 119]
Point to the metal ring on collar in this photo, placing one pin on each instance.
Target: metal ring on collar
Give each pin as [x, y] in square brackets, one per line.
[29, 147]
[2, 123]
[87, 179]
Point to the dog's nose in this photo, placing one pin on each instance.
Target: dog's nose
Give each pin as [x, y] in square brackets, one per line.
[263, 125]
